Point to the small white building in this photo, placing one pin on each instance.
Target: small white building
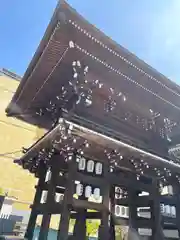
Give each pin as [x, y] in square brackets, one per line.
[7, 207]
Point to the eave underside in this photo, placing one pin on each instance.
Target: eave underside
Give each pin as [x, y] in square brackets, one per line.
[116, 68]
[68, 137]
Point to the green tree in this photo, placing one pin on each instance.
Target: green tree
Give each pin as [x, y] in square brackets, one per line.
[119, 233]
[92, 227]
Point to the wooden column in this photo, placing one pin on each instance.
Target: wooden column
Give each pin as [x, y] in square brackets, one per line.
[112, 218]
[104, 230]
[157, 231]
[44, 229]
[34, 211]
[80, 225]
[67, 201]
[176, 191]
[132, 199]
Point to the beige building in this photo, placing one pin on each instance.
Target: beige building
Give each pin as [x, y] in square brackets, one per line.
[14, 134]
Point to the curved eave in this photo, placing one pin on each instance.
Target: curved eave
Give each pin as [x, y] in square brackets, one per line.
[104, 142]
[70, 12]
[39, 51]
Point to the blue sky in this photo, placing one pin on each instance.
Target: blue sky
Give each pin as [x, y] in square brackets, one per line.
[148, 28]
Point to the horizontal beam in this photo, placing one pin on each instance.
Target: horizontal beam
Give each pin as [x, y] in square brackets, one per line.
[103, 141]
[128, 182]
[140, 222]
[169, 220]
[42, 208]
[145, 201]
[94, 180]
[83, 204]
[88, 215]
[58, 189]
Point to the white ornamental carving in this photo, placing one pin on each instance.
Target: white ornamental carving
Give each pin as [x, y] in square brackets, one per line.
[96, 193]
[58, 197]
[98, 168]
[90, 166]
[167, 210]
[88, 191]
[48, 175]
[82, 164]
[173, 211]
[44, 197]
[117, 210]
[79, 189]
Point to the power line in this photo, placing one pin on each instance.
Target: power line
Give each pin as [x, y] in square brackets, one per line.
[9, 153]
[15, 125]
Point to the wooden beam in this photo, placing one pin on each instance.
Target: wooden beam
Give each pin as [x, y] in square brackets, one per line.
[141, 202]
[112, 207]
[140, 222]
[143, 223]
[55, 208]
[67, 201]
[132, 197]
[128, 182]
[145, 201]
[88, 215]
[157, 230]
[176, 190]
[44, 229]
[104, 229]
[34, 212]
[92, 180]
[80, 204]
[60, 188]
[79, 232]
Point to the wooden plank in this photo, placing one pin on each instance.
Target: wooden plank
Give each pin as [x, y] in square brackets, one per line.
[92, 180]
[80, 204]
[88, 215]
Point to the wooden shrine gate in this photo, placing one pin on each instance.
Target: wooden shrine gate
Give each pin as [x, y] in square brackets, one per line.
[111, 119]
[72, 184]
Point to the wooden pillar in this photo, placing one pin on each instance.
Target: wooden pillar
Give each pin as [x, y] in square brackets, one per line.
[157, 231]
[176, 192]
[80, 225]
[104, 230]
[132, 199]
[67, 201]
[44, 229]
[112, 218]
[79, 232]
[34, 211]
